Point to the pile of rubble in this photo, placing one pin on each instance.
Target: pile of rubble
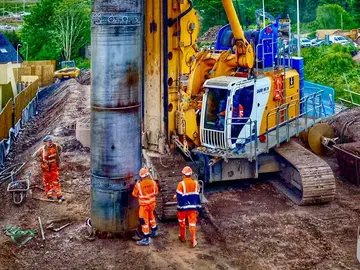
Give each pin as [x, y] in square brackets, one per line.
[73, 145]
[84, 77]
[211, 34]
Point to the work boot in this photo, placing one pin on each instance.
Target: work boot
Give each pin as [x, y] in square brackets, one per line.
[50, 198]
[144, 242]
[60, 199]
[154, 232]
[182, 239]
[194, 244]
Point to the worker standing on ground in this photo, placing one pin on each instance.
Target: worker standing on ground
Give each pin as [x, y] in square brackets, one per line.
[49, 156]
[146, 191]
[188, 197]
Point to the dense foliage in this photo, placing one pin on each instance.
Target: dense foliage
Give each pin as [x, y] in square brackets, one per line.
[328, 64]
[43, 33]
[313, 13]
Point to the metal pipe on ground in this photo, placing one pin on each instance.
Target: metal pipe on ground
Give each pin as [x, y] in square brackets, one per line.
[117, 52]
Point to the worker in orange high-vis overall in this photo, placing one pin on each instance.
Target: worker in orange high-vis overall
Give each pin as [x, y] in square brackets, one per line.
[49, 156]
[146, 191]
[188, 197]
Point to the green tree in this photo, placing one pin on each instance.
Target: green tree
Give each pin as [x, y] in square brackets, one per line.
[42, 29]
[356, 10]
[72, 29]
[37, 31]
[327, 64]
[329, 17]
[211, 12]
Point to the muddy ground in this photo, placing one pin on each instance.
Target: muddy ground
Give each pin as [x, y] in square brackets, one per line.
[250, 226]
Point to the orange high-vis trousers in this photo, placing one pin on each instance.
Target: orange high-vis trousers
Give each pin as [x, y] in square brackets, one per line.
[191, 216]
[51, 182]
[147, 217]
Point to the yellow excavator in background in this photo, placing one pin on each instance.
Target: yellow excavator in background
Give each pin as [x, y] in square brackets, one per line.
[354, 34]
[68, 70]
[229, 114]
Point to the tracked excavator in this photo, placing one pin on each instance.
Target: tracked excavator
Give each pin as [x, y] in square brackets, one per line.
[230, 114]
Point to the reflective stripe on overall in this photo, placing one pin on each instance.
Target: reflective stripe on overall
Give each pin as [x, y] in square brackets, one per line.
[188, 203]
[188, 200]
[146, 199]
[147, 207]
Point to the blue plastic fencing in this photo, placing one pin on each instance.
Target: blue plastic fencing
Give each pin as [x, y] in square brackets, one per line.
[327, 97]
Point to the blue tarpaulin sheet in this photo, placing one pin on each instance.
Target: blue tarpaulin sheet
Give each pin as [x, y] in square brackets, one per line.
[28, 113]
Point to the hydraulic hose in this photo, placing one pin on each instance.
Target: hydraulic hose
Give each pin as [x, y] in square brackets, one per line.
[171, 22]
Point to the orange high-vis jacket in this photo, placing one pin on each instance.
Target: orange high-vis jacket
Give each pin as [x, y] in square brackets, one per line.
[241, 111]
[188, 195]
[50, 157]
[146, 191]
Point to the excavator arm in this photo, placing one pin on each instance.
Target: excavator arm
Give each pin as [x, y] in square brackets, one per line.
[172, 60]
[244, 51]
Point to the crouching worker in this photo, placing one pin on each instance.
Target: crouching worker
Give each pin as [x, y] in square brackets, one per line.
[146, 191]
[49, 156]
[188, 197]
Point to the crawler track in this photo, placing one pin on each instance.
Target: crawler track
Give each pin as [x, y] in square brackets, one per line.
[167, 170]
[308, 178]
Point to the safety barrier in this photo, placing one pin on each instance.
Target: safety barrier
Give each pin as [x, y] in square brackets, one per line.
[6, 120]
[327, 96]
[24, 97]
[15, 114]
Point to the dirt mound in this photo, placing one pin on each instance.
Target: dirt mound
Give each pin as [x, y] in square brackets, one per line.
[346, 125]
[73, 145]
[84, 77]
[50, 104]
[211, 34]
[59, 108]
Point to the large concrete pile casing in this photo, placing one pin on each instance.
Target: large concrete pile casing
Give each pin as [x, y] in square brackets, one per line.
[83, 131]
[346, 125]
[117, 53]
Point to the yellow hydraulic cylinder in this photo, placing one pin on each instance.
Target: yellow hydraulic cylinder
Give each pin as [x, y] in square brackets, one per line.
[233, 19]
[244, 50]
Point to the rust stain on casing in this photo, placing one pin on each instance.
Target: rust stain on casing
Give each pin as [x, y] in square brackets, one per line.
[132, 74]
[115, 113]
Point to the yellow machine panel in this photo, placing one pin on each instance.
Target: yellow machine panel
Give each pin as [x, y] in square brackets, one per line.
[290, 99]
[154, 74]
[182, 34]
[183, 30]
